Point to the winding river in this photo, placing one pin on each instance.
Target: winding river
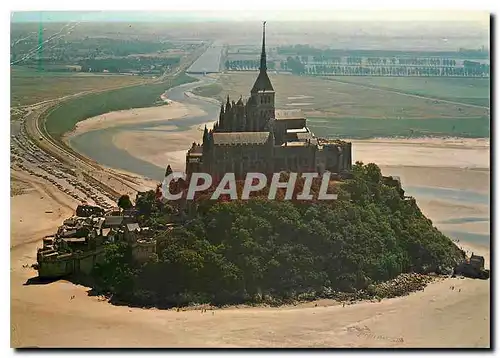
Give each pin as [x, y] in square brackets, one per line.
[98, 145]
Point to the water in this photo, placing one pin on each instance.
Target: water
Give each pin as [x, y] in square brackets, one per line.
[98, 144]
[473, 238]
[464, 220]
[447, 194]
[459, 197]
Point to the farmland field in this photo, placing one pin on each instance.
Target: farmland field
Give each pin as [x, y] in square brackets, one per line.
[348, 110]
[30, 86]
[366, 128]
[474, 91]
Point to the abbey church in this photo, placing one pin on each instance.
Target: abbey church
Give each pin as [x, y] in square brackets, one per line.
[256, 137]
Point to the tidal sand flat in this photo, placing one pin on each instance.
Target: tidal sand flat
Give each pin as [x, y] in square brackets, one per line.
[449, 178]
[439, 316]
[172, 110]
[160, 147]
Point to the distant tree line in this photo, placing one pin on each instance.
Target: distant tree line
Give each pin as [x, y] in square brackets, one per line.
[479, 71]
[123, 65]
[370, 66]
[387, 67]
[96, 47]
[246, 65]
[306, 50]
[60, 51]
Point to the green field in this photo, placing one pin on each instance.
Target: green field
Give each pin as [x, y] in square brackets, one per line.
[28, 85]
[367, 107]
[63, 117]
[474, 91]
[365, 128]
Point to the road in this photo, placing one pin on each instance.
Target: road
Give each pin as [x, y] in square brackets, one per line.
[34, 152]
[99, 145]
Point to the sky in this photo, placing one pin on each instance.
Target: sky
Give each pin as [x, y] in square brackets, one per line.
[270, 15]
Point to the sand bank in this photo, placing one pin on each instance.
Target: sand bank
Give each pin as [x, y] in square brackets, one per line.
[61, 314]
[173, 110]
[442, 153]
[160, 148]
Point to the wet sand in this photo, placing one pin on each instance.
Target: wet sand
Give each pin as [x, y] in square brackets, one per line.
[61, 314]
[48, 316]
[160, 146]
[172, 110]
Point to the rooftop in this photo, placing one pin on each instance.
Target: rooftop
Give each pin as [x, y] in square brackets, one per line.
[113, 221]
[287, 114]
[133, 227]
[301, 130]
[240, 138]
[75, 239]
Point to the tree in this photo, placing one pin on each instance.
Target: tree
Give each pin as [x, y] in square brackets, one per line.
[239, 251]
[124, 202]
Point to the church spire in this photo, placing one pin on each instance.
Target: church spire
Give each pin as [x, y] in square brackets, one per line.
[168, 171]
[205, 135]
[263, 61]
[262, 83]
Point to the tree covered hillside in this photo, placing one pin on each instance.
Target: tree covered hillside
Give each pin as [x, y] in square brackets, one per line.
[231, 252]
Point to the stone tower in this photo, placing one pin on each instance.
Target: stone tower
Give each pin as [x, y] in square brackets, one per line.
[260, 106]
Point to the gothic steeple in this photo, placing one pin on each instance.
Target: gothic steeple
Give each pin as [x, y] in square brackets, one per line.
[263, 60]
[221, 116]
[263, 83]
[168, 171]
[205, 135]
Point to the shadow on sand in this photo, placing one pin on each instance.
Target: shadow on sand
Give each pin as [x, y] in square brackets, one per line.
[39, 281]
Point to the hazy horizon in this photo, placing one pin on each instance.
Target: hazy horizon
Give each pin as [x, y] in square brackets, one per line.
[478, 17]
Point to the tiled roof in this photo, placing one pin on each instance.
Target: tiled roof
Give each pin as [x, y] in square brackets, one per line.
[133, 227]
[283, 114]
[262, 83]
[240, 138]
[113, 221]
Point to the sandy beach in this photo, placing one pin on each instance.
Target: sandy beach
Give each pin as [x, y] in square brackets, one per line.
[172, 110]
[158, 147]
[61, 314]
[439, 316]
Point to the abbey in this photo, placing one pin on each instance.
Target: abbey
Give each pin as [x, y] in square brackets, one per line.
[256, 137]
